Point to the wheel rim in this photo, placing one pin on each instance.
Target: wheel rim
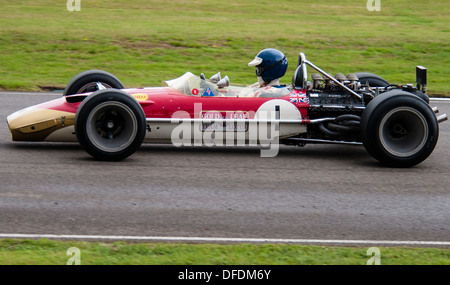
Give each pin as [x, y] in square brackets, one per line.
[91, 87]
[111, 126]
[403, 131]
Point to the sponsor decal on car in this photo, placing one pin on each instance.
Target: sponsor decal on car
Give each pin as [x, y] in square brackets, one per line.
[298, 98]
[224, 126]
[140, 96]
[208, 92]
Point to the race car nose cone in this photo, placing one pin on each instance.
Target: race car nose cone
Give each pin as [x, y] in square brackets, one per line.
[31, 124]
[36, 123]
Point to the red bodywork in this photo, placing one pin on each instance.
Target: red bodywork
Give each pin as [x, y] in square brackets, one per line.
[47, 121]
[164, 102]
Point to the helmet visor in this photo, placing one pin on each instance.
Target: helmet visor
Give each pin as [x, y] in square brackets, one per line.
[257, 61]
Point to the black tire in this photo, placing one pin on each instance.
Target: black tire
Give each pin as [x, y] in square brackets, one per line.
[110, 125]
[87, 82]
[398, 129]
[373, 79]
[377, 81]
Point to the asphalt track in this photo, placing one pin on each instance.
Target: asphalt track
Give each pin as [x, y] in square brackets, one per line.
[318, 192]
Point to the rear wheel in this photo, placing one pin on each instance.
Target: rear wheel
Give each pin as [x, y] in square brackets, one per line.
[377, 81]
[373, 79]
[399, 129]
[88, 82]
[110, 125]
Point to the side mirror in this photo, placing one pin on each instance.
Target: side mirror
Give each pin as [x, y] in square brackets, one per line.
[224, 82]
[215, 78]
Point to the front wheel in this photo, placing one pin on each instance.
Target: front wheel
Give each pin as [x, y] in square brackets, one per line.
[110, 125]
[399, 129]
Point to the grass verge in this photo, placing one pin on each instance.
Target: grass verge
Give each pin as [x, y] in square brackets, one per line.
[145, 42]
[51, 252]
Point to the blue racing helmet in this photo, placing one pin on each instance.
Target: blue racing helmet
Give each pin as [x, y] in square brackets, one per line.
[270, 64]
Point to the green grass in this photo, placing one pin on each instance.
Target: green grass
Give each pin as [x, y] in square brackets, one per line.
[145, 42]
[50, 252]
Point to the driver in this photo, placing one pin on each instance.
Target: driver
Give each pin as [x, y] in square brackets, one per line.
[271, 64]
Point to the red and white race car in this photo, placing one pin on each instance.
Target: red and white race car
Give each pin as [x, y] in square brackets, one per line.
[394, 122]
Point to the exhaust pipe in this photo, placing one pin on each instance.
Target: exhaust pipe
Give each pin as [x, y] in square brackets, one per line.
[442, 118]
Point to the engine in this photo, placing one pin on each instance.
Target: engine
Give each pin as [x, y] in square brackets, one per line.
[325, 84]
[328, 100]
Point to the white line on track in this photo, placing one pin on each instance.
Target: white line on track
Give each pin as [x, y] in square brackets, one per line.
[31, 93]
[226, 240]
[439, 99]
